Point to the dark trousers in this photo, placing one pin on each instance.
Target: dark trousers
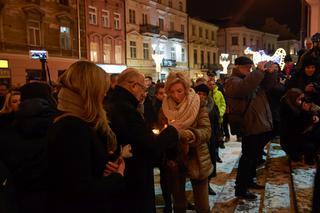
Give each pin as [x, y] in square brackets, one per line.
[225, 125]
[165, 187]
[252, 147]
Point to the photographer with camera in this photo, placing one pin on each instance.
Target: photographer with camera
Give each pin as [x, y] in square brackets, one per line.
[250, 116]
[300, 129]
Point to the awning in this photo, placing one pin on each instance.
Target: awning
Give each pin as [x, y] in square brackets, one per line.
[111, 68]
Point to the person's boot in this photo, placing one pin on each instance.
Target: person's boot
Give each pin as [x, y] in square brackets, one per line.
[246, 195]
[210, 190]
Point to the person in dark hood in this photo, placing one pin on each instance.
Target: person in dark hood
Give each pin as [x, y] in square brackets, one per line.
[203, 91]
[22, 147]
[308, 79]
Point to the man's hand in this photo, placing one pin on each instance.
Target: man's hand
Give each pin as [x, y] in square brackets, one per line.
[261, 66]
[117, 167]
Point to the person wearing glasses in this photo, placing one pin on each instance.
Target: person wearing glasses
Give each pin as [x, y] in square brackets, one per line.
[130, 126]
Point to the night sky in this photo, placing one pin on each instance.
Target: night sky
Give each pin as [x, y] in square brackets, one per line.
[252, 13]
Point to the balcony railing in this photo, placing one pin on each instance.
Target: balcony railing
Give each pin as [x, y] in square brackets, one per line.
[149, 29]
[176, 35]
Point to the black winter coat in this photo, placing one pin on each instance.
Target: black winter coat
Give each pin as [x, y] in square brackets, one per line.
[22, 150]
[76, 160]
[130, 128]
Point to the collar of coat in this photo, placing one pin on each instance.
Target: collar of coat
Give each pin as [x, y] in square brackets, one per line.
[237, 73]
[122, 94]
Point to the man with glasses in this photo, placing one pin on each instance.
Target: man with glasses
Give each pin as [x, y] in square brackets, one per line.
[250, 116]
[130, 128]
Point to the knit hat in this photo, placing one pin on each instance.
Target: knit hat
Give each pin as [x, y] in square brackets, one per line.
[202, 88]
[35, 90]
[307, 61]
[243, 60]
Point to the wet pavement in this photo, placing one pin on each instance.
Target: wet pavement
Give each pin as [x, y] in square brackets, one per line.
[281, 187]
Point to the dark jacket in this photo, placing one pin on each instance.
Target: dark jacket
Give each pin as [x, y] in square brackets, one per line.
[130, 128]
[241, 89]
[76, 160]
[22, 149]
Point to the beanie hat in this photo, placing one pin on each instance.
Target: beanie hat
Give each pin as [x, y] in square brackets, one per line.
[243, 60]
[202, 88]
[307, 61]
[35, 90]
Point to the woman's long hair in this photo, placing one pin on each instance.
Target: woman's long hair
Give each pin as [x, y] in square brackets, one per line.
[91, 83]
[7, 108]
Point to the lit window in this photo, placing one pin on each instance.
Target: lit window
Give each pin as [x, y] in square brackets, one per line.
[107, 52]
[94, 51]
[195, 56]
[118, 51]
[65, 40]
[200, 32]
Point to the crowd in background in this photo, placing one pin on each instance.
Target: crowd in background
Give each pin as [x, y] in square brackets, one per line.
[91, 143]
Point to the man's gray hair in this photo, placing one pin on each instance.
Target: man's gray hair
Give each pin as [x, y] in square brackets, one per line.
[129, 75]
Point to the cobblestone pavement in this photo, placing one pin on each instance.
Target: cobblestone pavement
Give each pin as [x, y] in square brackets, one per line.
[284, 184]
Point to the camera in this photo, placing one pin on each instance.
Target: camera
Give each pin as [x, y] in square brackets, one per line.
[38, 54]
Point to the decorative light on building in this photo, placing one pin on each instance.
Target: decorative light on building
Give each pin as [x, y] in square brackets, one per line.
[260, 55]
[157, 56]
[224, 61]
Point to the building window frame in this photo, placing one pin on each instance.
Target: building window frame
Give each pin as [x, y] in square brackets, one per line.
[93, 15]
[132, 16]
[145, 51]
[105, 18]
[117, 21]
[34, 33]
[133, 49]
[65, 37]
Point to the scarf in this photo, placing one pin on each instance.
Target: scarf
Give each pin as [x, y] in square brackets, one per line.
[72, 104]
[184, 113]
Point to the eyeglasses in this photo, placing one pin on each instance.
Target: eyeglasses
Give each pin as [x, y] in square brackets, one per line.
[141, 86]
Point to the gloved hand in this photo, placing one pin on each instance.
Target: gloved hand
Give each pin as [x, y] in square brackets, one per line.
[186, 136]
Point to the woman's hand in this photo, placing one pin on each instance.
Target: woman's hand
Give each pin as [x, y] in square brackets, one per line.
[315, 119]
[117, 167]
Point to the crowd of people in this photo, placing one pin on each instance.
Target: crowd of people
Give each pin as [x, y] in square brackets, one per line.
[91, 144]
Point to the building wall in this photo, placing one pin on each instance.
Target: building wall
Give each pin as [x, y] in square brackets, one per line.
[314, 16]
[147, 13]
[290, 46]
[37, 25]
[234, 40]
[105, 31]
[202, 40]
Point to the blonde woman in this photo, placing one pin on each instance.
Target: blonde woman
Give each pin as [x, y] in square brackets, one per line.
[182, 106]
[82, 146]
[11, 103]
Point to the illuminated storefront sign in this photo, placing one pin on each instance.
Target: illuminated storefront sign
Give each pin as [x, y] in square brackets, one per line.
[4, 64]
